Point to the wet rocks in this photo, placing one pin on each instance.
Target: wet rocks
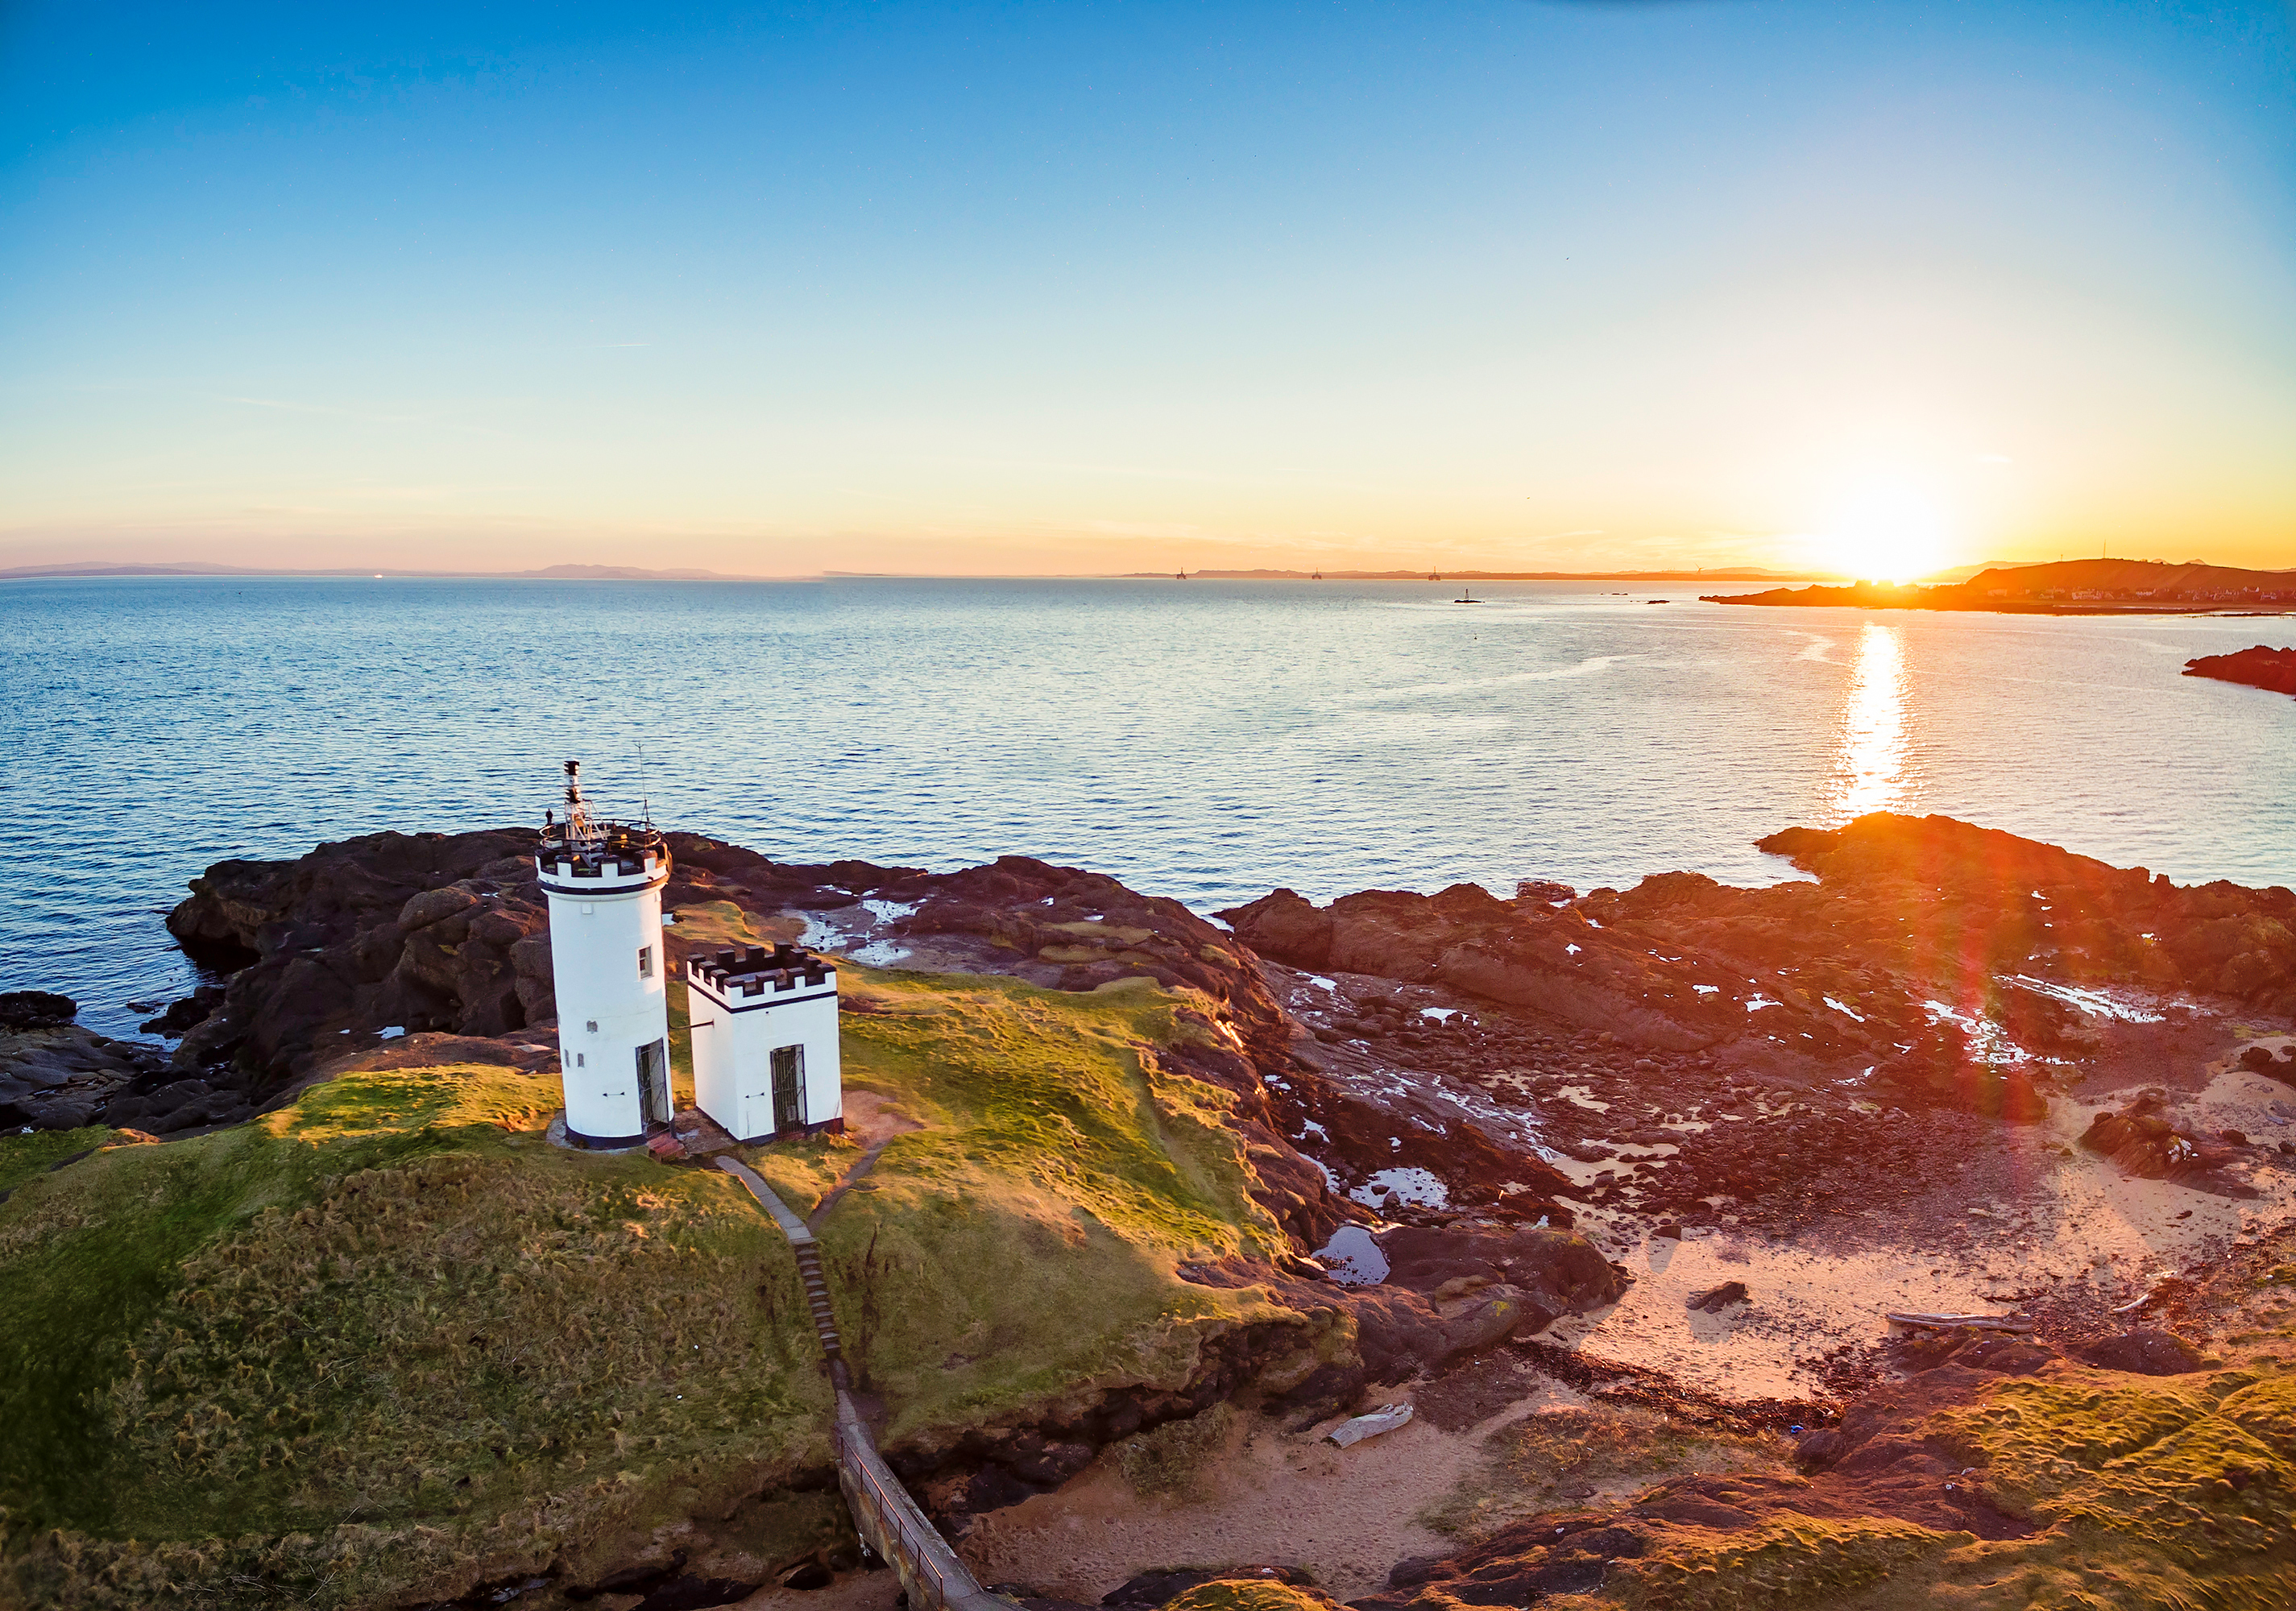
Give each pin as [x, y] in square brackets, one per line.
[1866, 973]
[186, 1013]
[62, 1077]
[22, 1010]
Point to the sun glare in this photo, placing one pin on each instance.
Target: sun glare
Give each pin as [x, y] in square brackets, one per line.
[1886, 531]
[1871, 764]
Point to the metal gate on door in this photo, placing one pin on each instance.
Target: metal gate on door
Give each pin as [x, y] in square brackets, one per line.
[788, 1087]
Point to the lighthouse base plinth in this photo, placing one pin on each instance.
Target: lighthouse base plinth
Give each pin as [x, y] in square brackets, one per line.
[562, 1134]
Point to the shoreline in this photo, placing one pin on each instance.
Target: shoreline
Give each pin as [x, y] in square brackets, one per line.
[1642, 1172]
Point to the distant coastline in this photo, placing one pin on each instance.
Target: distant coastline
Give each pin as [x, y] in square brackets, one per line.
[635, 573]
[1742, 572]
[2068, 587]
[549, 573]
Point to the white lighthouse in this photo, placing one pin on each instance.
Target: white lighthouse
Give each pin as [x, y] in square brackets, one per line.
[765, 1040]
[604, 881]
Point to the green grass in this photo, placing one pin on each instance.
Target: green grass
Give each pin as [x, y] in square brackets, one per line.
[384, 1333]
[1022, 1245]
[388, 1341]
[25, 1157]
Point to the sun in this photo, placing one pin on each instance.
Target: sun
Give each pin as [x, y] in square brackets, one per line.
[1885, 531]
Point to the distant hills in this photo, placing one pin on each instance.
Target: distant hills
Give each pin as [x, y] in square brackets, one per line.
[2062, 587]
[1744, 573]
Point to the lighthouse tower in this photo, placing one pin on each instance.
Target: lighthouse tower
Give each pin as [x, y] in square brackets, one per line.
[604, 881]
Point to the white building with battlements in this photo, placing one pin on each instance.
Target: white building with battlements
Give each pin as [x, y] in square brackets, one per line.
[765, 1040]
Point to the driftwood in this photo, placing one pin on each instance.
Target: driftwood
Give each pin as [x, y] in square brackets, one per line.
[1387, 1418]
[1964, 1322]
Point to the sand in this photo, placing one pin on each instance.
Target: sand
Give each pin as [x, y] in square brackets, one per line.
[1273, 1498]
[2066, 1219]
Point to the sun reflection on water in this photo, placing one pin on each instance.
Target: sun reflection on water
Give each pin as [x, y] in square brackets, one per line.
[1872, 772]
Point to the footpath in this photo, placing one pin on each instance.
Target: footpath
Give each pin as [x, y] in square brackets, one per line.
[891, 1524]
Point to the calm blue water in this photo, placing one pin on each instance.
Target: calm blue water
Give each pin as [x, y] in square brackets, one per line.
[1201, 739]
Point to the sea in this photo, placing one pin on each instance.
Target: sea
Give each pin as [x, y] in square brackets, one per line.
[1204, 739]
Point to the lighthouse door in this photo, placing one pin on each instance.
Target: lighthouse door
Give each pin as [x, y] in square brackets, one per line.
[788, 1088]
[653, 1084]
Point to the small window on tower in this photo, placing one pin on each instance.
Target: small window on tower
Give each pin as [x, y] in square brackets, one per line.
[645, 961]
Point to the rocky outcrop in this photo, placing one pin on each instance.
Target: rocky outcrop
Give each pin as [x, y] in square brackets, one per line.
[2271, 669]
[388, 931]
[1949, 960]
[22, 1010]
[60, 1077]
[2143, 1143]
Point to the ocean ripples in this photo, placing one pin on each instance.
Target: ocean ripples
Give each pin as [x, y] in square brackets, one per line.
[1204, 740]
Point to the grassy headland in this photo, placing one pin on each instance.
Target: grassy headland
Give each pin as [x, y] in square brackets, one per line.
[388, 1341]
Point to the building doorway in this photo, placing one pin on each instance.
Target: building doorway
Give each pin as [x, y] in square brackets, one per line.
[653, 1084]
[788, 1088]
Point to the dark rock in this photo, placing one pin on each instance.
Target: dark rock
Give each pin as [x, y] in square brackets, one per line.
[1545, 890]
[993, 1487]
[36, 1010]
[2144, 1143]
[60, 1076]
[2144, 1352]
[2274, 670]
[1716, 1299]
[1052, 1465]
[1698, 1510]
[1561, 1269]
[1820, 1447]
[186, 1014]
[2256, 1058]
[1413, 1570]
[697, 1593]
[627, 1580]
[808, 1575]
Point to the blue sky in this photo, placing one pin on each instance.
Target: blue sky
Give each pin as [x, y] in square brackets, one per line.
[1130, 286]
